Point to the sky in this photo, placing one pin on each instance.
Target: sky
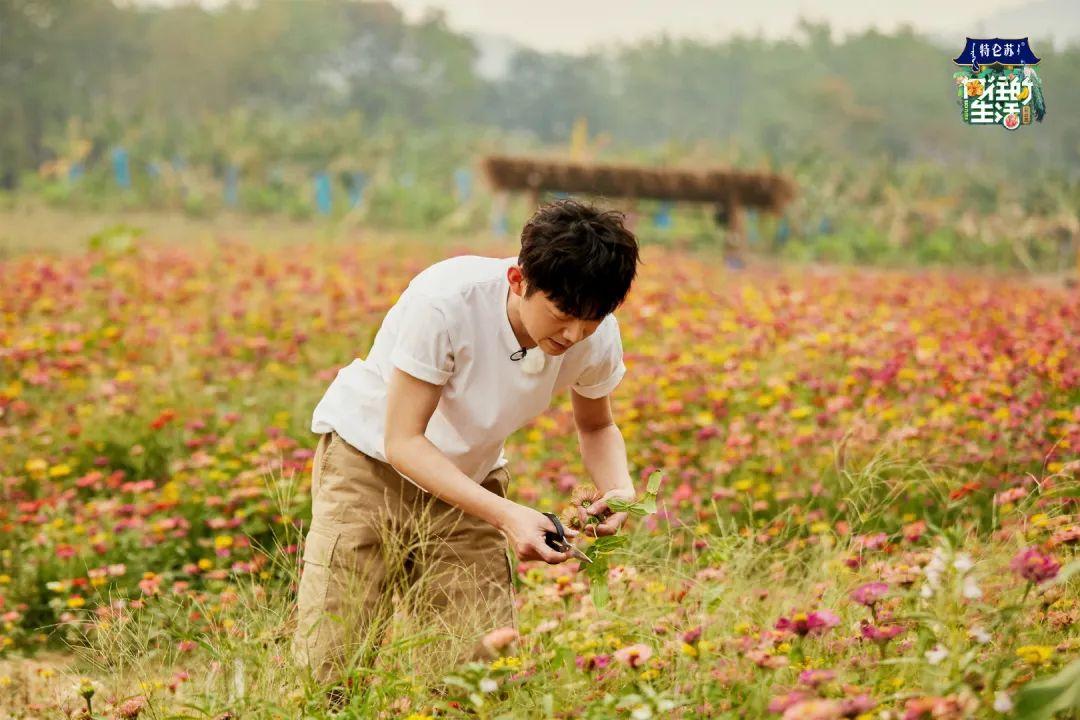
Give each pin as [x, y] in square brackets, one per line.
[575, 26]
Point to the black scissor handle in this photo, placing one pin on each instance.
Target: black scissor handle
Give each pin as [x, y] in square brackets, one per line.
[555, 540]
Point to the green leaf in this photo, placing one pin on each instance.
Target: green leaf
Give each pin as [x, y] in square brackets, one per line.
[1040, 699]
[649, 505]
[1067, 572]
[654, 483]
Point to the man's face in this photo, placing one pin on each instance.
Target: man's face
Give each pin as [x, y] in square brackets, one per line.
[553, 330]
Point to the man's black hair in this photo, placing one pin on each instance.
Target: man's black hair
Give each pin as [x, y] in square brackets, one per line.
[583, 258]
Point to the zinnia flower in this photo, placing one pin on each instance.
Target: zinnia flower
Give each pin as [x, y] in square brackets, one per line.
[1035, 566]
[634, 655]
[813, 623]
[870, 593]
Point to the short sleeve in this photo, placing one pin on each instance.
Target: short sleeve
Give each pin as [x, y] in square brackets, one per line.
[423, 347]
[605, 368]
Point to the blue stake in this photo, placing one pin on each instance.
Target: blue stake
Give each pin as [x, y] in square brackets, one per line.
[356, 189]
[121, 168]
[232, 182]
[322, 193]
[463, 184]
[662, 216]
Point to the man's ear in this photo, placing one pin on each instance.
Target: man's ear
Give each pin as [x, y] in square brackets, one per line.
[517, 280]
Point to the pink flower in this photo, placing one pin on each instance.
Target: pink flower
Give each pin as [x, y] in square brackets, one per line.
[130, 709]
[592, 662]
[634, 655]
[814, 709]
[780, 703]
[870, 593]
[855, 706]
[814, 677]
[1035, 566]
[498, 639]
[880, 633]
[813, 623]
[692, 636]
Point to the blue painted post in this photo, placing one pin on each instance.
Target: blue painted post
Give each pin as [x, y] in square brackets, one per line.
[322, 193]
[752, 227]
[463, 184]
[75, 172]
[825, 226]
[662, 216]
[232, 185]
[121, 168]
[783, 232]
[356, 189]
[500, 222]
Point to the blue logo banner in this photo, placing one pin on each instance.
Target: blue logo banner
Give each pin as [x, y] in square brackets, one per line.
[990, 51]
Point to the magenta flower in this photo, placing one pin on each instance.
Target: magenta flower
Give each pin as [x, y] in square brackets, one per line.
[1035, 566]
[813, 623]
[781, 703]
[692, 636]
[814, 677]
[855, 706]
[880, 633]
[870, 593]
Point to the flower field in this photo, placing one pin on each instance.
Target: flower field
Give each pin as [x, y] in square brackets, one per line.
[868, 507]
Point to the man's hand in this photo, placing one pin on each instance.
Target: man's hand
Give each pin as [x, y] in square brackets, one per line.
[524, 529]
[610, 521]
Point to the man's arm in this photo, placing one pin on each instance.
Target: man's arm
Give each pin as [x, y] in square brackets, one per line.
[410, 405]
[603, 451]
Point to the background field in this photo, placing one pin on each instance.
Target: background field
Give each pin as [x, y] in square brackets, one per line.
[867, 437]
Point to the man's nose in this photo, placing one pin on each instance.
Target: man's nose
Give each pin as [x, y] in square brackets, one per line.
[575, 332]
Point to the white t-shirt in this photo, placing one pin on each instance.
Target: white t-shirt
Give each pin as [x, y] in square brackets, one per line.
[450, 327]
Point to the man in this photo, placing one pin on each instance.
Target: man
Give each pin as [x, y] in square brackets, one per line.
[409, 481]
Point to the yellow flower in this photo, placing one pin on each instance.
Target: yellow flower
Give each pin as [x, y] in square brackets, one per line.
[36, 465]
[76, 601]
[509, 662]
[688, 649]
[59, 470]
[223, 541]
[206, 564]
[1035, 654]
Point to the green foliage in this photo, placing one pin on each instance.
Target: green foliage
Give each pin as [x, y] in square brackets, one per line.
[1041, 699]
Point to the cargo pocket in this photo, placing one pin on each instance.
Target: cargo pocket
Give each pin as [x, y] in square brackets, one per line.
[311, 595]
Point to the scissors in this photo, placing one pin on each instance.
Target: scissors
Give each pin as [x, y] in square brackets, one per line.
[557, 540]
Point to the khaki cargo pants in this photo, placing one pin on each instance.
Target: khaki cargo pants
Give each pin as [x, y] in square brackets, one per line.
[378, 542]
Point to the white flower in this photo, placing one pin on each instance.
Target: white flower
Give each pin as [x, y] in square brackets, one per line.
[641, 712]
[971, 588]
[533, 362]
[980, 635]
[488, 685]
[963, 562]
[936, 654]
[1002, 702]
[926, 591]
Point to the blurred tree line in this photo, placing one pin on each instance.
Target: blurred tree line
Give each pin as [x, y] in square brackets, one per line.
[179, 71]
